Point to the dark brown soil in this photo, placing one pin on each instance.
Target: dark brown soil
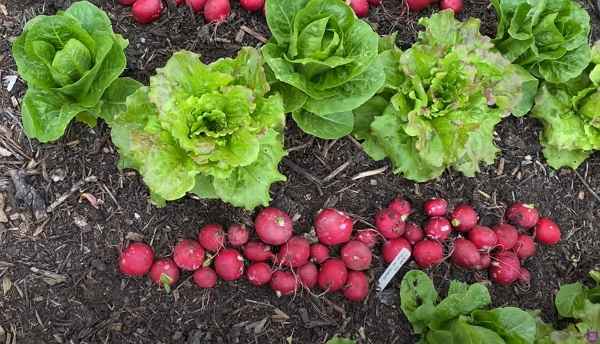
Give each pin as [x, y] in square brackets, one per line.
[97, 304]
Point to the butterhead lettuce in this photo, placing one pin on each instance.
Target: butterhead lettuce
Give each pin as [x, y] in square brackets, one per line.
[69, 60]
[205, 129]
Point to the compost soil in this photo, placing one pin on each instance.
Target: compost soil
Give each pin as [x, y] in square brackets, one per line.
[95, 303]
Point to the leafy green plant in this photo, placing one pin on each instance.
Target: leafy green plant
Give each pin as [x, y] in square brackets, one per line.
[440, 101]
[570, 114]
[69, 60]
[573, 301]
[460, 318]
[204, 129]
[549, 38]
[323, 60]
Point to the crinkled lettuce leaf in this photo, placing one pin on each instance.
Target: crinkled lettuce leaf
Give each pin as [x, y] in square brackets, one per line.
[451, 91]
[205, 129]
[68, 60]
[323, 60]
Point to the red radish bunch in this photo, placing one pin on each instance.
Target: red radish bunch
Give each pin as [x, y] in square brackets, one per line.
[215, 11]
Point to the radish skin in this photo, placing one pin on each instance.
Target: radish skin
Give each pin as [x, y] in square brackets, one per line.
[367, 236]
[258, 273]
[212, 237]
[147, 11]
[237, 235]
[284, 283]
[465, 254]
[229, 264]
[391, 248]
[333, 227]
[506, 236]
[217, 11]
[188, 254]
[356, 255]
[318, 253]
[505, 268]
[294, 252]
[273, 226]
[205, 277]
[428, 254]
[524, 248]
[196, 5]
[332, 275]
[454, 5]
[524, 277]
[483, 237]
[252, 5]
[484, 261]
[308, 275]
[437, 228]
[435, 207]
[546, 232]
[360, 7]
[463, 218]
[389, 223]
[413, 233]
[164, 270]
[257, 251]
[522, 215]
[136, 259]
[400, 205]
[356, 287]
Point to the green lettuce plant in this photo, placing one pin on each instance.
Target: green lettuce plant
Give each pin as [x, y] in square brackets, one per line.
[204, 129]
[323, 60]
[575, 301]
[549, 38]
[570, 114]
[440, 101]
[460, 318]
[69, 60]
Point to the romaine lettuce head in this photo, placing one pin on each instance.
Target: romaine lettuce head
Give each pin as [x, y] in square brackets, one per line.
[570, 114]
[549, 38]
[455, 89]
[68, 60]
[205, 129]
[323, 60]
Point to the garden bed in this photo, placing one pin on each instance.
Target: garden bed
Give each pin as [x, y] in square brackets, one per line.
[97, 304]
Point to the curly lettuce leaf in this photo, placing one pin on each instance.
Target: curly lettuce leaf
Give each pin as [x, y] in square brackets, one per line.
[204, 129]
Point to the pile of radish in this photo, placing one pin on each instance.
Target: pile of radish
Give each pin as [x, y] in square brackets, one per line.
[337, 256]
[457, 235]
[418, 5]
[215, 11]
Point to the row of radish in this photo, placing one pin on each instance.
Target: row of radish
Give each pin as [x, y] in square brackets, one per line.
[215, 11]
[418, 5]
[498, 249]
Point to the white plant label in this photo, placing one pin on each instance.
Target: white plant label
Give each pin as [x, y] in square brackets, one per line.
[391, 271]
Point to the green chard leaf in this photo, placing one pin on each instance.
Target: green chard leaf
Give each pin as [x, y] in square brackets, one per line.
[204, 129]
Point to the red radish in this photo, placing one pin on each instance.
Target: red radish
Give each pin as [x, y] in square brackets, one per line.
[413, 233]
[522, 215]
[217, 11]
[455, 5]
[294, 252]
[546, 232]
[360, 7]
[273, 226]
[147, 11]
[259, 273]
[524, 277]
[465, 254]
[284, 283]
[252, 5]
[333, 227]
[506, 236]
[126, 2]
[164, 273]
[257, 251]
[308, 274]
[196, 5]
[483, 237]
[318, 253]
[332, 275]
[399, 204]
[484, 261]
[229, 264]
[205, 277]
[437, 228]
[389, 223]
[188, 254]
[391, 248]
[356, 255]
[428, 253]
[136, 259]
[417, 5]
[505, 268]
[524, 248]
[367, 236]
[463, 218]
[237, 234]
[212, 237]
[374, 2]
[356, 287]
[435, 206]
